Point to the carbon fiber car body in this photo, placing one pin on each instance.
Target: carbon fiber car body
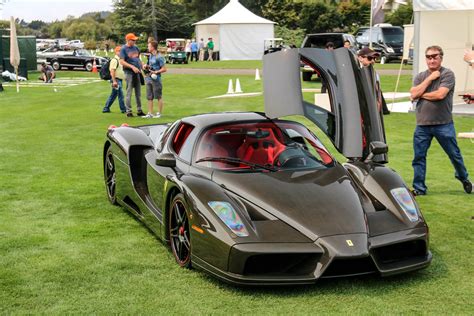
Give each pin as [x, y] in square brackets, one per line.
[296, 224]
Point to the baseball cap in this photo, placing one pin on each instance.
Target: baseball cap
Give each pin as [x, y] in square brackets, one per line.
[367, 52]
[131, 36]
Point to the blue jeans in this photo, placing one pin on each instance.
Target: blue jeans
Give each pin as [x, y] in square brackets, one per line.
[115, 92]
[446, 137]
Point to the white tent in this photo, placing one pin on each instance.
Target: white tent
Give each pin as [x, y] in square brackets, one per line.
[237, 33]
[449, 24]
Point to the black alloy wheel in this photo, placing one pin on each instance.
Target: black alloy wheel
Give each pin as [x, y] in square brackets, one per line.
[179, 232]
[110, 177]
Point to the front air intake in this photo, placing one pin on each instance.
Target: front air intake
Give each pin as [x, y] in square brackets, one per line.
[348, 267]
[400, 252]
[277, 264]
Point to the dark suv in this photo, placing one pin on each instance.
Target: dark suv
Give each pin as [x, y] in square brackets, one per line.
[320, 40]
[386, 40]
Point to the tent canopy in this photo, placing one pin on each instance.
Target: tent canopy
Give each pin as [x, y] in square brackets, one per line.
[449, 24]
[238, 34]
[434, 5]
[234, 13]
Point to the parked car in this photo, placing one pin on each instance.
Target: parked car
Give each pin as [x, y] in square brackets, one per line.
[53, 51]
[386, 39]
[271, 45]
[175, 51]
[254, 199]
[320, 40]
[79, 58]
[75, 44]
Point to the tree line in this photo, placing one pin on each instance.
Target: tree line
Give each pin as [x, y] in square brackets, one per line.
[174, 18]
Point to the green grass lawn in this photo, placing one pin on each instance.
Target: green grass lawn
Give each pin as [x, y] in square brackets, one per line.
[65, 249]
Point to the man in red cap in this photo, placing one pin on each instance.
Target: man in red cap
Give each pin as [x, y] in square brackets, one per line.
[132, 65]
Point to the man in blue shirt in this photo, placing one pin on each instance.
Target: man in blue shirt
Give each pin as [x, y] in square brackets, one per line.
[194, 50]
[132, 65]
[154, 88]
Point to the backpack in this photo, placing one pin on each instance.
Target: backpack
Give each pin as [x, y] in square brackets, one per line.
[104, 72]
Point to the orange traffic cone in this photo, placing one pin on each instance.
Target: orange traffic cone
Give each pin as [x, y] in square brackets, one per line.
[94, 67]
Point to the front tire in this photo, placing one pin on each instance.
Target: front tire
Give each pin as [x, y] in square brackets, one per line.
[110, 177]
[88, 66]
[56, 65]
[179, 233]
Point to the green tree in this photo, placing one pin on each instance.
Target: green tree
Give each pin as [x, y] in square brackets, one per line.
[284, 12]
[55, 29]
[403, 15]
[290, 36]
[354, 14]
[319, 18]
[36, 24]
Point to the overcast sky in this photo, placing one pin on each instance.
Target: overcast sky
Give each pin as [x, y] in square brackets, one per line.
[51, 10]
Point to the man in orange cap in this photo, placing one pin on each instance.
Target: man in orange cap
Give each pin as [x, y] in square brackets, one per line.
[132, 65]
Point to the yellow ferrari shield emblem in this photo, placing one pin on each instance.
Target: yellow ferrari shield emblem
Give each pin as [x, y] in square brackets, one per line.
[350, 243]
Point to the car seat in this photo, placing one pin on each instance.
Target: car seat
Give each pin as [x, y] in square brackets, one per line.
[260, 150]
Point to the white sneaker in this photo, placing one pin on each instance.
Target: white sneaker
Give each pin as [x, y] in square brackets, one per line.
[158, 115]
[149, 115]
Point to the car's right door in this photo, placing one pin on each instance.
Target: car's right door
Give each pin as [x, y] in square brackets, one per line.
[353, 119]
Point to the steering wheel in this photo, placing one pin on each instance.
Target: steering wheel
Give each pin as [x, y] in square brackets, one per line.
[291, 157]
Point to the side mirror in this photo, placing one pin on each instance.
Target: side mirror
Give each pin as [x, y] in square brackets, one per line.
[166, 160]
[376, 148]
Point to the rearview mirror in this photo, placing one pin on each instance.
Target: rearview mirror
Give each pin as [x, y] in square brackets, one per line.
[166, 160]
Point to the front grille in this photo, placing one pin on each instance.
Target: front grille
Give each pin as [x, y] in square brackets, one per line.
[400, 252]
[278, 264]
[348, 267]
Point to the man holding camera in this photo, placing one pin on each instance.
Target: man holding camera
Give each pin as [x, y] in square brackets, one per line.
[154, 87]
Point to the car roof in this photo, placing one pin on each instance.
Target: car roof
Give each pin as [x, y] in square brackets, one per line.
[319, 34]
[208, 119]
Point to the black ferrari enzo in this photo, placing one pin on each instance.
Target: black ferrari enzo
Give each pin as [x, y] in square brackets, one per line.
[254, 199]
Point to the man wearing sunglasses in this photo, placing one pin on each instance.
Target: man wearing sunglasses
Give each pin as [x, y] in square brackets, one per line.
[434, 89]
[366, 57]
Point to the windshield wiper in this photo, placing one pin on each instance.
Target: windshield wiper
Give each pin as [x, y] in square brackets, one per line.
[237, 161]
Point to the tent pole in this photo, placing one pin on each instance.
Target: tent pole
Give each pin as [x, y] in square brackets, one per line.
[370, 24]
[17, 82]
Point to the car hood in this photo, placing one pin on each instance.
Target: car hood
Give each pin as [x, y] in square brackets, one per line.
[316, 202]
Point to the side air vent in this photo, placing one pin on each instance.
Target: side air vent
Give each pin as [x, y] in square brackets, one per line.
[132, 205]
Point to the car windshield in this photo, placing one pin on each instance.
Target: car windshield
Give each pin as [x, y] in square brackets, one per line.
[264, 145]
[83, 52]
[393, 35]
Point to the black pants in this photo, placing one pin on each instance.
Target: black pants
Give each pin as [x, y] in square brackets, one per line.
[194, 55]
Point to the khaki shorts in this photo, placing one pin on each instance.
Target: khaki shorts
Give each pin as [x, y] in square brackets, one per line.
[154, 90]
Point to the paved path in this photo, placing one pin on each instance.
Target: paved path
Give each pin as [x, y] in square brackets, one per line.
[222, 71]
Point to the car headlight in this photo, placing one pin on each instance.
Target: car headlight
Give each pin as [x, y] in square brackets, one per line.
[404, 199]
[390, 50]
[229, 216]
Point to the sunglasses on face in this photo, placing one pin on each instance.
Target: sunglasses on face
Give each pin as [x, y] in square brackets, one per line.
[369, 58]
[432, 56]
